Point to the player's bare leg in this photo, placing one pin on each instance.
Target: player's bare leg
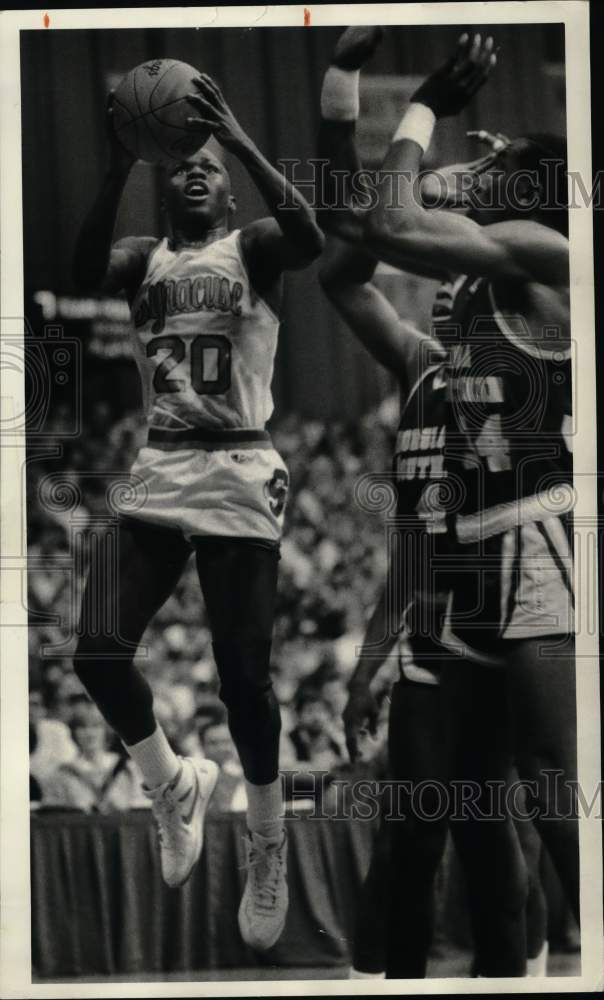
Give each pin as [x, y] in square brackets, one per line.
[239, 583]
[132, 573]
[542, 676]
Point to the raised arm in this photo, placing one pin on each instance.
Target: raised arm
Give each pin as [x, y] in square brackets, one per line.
[400, 230]
[289, 240]
[99, 266]
[347, 269]
[396, 343]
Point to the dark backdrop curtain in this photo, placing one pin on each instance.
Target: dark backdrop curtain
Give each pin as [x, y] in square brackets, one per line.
[272, 78]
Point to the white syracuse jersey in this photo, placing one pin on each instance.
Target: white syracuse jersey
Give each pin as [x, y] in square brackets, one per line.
[205, 342]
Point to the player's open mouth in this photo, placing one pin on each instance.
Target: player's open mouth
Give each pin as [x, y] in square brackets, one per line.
[196, 191]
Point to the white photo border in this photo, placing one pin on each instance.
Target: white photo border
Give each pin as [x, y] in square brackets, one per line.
[15, 950]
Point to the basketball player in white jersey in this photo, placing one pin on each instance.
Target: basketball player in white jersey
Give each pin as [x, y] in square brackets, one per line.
[504, 304]
[205, 313]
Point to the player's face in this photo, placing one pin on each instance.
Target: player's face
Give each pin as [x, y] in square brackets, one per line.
[90, 737]
[504, 191]
[198, 191]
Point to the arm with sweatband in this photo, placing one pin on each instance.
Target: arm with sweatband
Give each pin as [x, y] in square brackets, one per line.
[417, 124]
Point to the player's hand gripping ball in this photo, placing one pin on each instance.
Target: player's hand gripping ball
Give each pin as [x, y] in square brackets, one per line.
[149, 112]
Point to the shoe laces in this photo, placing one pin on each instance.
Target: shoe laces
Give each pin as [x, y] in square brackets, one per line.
[163, 807]
[264, 866]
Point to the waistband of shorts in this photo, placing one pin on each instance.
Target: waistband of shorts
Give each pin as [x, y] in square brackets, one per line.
[502, 517]
[207, 439]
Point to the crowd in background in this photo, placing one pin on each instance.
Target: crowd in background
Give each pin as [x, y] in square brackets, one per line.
[333, 561]
[333, 564]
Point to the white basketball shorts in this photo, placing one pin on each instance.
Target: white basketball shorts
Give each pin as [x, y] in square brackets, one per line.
[220, 483]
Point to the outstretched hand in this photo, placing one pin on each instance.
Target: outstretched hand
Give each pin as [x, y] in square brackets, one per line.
[214, 114]
[449, 89]
[356, 46]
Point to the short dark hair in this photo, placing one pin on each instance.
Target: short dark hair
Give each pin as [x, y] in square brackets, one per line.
[545, 154]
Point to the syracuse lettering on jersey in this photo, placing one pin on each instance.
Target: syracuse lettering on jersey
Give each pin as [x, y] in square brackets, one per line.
[186, 295]
[419, 453]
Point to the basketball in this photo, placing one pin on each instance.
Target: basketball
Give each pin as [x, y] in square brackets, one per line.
[150, 111]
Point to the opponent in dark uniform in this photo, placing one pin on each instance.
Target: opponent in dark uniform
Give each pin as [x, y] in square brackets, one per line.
[408, 852]
[509, 449]
[509, 340]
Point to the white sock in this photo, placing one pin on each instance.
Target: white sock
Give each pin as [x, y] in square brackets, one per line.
[265, 809]
[538, 966]
[156, 759]
[355, 974]
[340, 94]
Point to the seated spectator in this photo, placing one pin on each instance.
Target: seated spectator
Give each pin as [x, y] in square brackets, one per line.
[96, 780]
[314, 738]
[53, 744]
[229, 794]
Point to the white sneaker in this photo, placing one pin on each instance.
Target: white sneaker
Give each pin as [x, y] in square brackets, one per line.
[179, 809]
[265, 900]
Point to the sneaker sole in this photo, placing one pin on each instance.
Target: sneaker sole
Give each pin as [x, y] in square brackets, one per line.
[199, 819]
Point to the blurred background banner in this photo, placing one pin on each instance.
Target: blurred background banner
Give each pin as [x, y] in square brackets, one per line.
[272, 79]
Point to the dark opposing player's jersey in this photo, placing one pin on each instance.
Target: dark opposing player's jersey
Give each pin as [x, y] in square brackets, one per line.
[419, 452]
[509, 425]
[422, 500]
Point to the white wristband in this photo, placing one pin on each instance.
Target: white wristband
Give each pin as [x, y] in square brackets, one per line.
[417, 124]
[340, 94]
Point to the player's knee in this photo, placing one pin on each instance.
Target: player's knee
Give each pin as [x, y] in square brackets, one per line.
[244, 669]
[94, 653]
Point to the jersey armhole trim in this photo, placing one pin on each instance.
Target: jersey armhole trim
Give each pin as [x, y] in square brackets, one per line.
[534, 351]
[430, 370]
